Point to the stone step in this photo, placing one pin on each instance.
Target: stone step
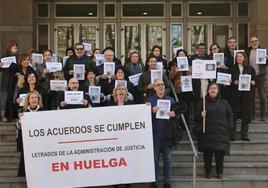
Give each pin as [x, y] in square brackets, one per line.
[235, 156]
[8, 147]
[8, 169]
[7, 136]
[253, 145]
[10, 157]
[230, 168]
[228, 181]
[7, 127]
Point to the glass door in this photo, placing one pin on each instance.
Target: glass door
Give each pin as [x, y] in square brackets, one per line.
[208, 34]
[141, 38]
[66, 35]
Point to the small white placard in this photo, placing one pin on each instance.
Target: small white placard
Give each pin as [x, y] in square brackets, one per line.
[22, 97]
[163, 109]
[53, 66]
[156, 75]
[54, 58]
[159, 65]
[121, 83]
[99, 59]
[109, 68]
[176, 49]
[182, 63]
[74, 97]
[79, 72]
[58, 85]
[204, 69]
[244, 82]
[94, 93]
[186, 83]
[7, 61]
[224, 78]
[134, 79]
[261, 56]
[37, 58]
[87, 46]
[219, 58]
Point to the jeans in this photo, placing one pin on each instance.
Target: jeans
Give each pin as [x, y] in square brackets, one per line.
[160, 146]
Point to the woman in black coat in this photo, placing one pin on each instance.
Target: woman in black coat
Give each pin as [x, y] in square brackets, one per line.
[218, 127]
[241, 100]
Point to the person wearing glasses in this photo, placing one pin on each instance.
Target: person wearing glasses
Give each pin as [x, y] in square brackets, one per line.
[260, 70]
[79, 58]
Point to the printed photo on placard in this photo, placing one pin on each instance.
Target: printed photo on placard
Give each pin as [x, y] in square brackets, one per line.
[109, 68]
[183, 64]
[99, 59]
[156, 75]
[224, 78]
[134, 79]
[79, 72]
[7, 61]
[94, 93]
[186, 83]
[244, 82]
[159, 65]
[54, 58]
[261, 56]
[37, 58]
[121, 83]
[163, 109]
[87, 46]
[219, 58]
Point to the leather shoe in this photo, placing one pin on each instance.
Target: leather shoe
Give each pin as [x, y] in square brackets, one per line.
[245, 139]
[219, 175]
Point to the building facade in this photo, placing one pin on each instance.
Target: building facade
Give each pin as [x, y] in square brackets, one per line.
[129, 24]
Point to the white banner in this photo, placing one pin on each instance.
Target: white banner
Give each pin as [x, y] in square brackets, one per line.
[88, 147]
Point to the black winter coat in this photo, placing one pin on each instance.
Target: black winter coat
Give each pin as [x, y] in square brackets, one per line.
[219, 125]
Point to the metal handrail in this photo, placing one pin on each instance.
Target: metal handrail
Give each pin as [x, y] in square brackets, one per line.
[195, 154]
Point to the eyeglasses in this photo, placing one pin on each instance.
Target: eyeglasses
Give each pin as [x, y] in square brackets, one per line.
[159, 84]
[79, 49]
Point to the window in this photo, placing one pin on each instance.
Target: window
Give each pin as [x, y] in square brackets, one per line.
[243, 35]
[242, 9]
[175, 10]
[42, 10]
[42, 37]
[109, 10]
[143, 10]
[109, 40]
[209, 9]
[76, 10]
[175, 36]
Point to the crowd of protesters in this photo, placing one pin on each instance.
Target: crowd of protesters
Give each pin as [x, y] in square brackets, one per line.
[225, 103]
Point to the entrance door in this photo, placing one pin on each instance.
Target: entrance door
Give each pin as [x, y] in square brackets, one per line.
[66, 35]
[208, 34]
[141, 38]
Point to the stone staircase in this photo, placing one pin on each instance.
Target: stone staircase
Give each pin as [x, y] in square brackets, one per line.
[245, 167]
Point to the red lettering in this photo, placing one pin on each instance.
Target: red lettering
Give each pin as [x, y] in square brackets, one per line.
[113, 162]
[103, 164]
[55, 167]
[88, 164]
[96, 163]
[122, 162]
[78, 165]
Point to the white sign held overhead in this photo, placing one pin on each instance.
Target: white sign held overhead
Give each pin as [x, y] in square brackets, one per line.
[204, 69]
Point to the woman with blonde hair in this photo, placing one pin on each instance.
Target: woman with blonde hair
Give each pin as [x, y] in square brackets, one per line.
[33, 103]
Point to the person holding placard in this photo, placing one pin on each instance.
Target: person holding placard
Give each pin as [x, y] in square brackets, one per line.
[79, 58]
[81, 100]
[160, 126]
[31, 83]
[229, 52]
[260, 79]
[119, 78]
[240, 100]
[176, 75]
[8, 82]
[33, 103]
[134, 65]
[219, 126]
[145, 85]
[157, 52]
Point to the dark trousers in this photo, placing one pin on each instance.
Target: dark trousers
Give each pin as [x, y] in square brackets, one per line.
[260, 86]
[219, 157]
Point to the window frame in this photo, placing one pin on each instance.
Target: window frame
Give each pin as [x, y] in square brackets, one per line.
[36, 8]
[237, 11]
[182, 11]
[104, 26]
[37, 35]
[109, 17]
[170, 39]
